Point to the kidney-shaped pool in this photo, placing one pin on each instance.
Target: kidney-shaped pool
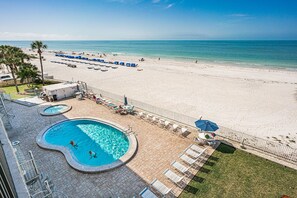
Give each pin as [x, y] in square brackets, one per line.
[89, 145]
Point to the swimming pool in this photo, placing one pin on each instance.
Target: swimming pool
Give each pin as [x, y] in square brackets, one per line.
[89, 145]
[55, 109]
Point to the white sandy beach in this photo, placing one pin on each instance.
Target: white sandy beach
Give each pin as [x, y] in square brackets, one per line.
[260, 102]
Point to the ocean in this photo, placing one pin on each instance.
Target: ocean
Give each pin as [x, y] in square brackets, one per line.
[275, 54]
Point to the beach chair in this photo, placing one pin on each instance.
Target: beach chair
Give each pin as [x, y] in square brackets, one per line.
[166, 124]
[154, 120]
[181, 168]
[141, 115]
[192, 153]
[129, 108]
[197, 148]
[188, 160]
[161, 122]
[147, 193]
[183, 130]
[149, 117]
[172, 176]
[160, 187]
[175, 127]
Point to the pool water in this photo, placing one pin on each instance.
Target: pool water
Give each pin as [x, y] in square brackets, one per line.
[55, 109]
[107, 142]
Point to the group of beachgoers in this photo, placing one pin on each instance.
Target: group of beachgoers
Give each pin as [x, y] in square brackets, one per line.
[92, 153]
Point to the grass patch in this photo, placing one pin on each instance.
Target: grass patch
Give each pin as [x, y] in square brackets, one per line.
[230, 172]
[25, 91]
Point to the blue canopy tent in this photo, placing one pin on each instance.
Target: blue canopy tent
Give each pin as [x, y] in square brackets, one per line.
[206, 125]
[122, 63]
[128, 64]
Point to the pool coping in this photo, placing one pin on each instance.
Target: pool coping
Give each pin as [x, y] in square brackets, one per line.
[41, 111]
[133, 145]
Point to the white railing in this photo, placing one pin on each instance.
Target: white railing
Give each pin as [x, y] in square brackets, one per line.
[271, 147]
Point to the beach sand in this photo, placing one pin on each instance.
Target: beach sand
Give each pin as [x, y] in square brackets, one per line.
[259, 102]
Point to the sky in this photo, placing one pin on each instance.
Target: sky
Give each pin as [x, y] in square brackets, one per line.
[148, 19]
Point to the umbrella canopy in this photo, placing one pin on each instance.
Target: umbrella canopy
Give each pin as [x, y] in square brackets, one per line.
[125, 101]
[206, 125]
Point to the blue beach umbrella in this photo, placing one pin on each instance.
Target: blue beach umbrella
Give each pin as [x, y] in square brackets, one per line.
[206, 125]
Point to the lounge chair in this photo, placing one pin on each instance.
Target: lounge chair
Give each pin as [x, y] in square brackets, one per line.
[149, 117]
[160, 187]
[188, 160]
[154, 119]
[197, 148]
[129, 108]
[183, 130]
[181, 168]
[166, 124]
[172, 176]
[141, 114]
[147, 193]
[192, 153]
[175, 127]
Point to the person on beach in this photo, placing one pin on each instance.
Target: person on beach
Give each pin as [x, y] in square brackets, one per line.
[196, 61]
[159, 58]
[73, 144]
[92, 154]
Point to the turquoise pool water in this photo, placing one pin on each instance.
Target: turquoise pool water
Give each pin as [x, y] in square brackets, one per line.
[107, 142]
[55, 109]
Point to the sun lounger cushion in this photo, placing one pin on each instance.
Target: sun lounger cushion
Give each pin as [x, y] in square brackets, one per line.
[160, 187]
[173, 176]
[147, 193]
[178, 166]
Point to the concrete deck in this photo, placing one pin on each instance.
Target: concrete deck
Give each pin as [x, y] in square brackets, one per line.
[157, 148]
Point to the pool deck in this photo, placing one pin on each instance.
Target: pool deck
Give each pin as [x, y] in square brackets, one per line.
[157, 148]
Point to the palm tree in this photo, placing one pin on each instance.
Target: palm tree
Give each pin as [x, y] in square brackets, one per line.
[11, 57]
[28, 73]
[39, 46]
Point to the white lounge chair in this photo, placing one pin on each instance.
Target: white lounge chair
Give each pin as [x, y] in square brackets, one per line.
[161, 122]
[160, 187]
[183, 130]
[166, 124]
[147, 193]
[149, 117]
[141, 114]
[192, 153]
[197, 148]
[181, 168]
[188, 160]
[154, 119]
[173, 177]
[175, 127]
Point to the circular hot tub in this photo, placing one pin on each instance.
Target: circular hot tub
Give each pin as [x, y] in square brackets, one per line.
[55, 110]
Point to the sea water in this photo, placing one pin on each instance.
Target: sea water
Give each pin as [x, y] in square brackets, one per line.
[277, 54]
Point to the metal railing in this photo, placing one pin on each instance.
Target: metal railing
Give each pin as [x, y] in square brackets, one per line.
[277, 149]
